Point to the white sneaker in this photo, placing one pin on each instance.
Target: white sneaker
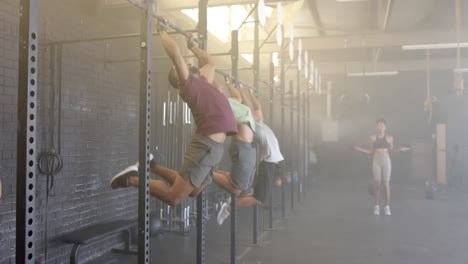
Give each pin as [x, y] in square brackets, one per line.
[387, 210]
[152, 161]
[121, 179]
[223, 214]
[377, 210]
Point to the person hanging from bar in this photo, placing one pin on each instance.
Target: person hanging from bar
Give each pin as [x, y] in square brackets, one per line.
[269, 157]
[241, 150]
[214, 121]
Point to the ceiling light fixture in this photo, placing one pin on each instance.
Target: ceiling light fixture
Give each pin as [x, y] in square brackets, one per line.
[279, 28]
[275, 59]
[349, 1]
[368, 74]
[261, 12]
[434, 46]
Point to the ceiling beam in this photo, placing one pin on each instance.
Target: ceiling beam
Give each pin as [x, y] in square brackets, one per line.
[372, 40]
[332, 68]
[316, 16]
[185, 4]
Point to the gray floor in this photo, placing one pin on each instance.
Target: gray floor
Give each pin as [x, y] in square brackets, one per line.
[335, 225]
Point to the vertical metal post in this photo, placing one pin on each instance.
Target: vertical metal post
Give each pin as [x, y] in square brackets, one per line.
[256, 55]
[233, 229]
[272, 93]
[26, 132]
[329, 100]
[255, 224]
[282, 88]
[306, 145]
[292, 148]
[146, 47]
[201, 199]
[309, 139]
[235, 73]
[256, 62]
[299, 156]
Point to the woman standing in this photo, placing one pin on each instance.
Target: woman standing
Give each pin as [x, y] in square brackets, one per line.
[381, 146]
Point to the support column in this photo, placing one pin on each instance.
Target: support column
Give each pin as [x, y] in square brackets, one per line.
[146, 47]
[292, 140]
[283, 138]
[26, 132]
[235, 75]
[201, 199]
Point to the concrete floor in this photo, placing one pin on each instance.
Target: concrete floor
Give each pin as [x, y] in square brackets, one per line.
[335, 225]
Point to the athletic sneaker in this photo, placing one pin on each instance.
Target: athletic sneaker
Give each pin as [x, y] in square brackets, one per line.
[377, 210]
[223, 214]
[121, 179]
[387, 210]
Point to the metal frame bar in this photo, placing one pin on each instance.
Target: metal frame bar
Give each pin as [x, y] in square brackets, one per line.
[256, 76]
[292, 148]
[272, 95]
[299, 158]
[105, 38]
[201, 199]
[305, 121]
[247, 17]
[282, 88]
[235, 73]
[146, 47]
[26, 128]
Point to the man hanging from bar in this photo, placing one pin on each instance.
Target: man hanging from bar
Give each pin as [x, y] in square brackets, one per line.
[241, 150]
[269, 157]
[214, 120]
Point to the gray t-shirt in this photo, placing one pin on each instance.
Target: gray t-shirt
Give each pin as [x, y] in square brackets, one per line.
[268, 144]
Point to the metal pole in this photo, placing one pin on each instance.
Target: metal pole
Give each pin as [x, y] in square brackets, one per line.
[235, 62]
[146, 47]
[282, 88]
[256, 66]
[329, 100]
[272, 93]
[26, 132]
[299, 145]
[309, 139]
[306, 145]
[292, 148]
[201, 199]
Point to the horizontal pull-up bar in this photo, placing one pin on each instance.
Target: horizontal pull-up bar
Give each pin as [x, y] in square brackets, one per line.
[227, 76]
[105, 38]
[163, 58]
[164, 22]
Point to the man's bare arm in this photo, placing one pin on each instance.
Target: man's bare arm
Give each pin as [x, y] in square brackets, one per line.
[173, 51]
[245, 99]
[207, 64]
[257, 107]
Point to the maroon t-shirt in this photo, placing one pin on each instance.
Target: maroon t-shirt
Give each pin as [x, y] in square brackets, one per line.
[210, 108]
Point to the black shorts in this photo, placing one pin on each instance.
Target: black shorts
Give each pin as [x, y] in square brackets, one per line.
[264, 181]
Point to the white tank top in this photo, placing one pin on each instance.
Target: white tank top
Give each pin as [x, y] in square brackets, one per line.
[268, 144]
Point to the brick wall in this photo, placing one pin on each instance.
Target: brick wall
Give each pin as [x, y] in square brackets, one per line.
[8, 99]
[100, 104]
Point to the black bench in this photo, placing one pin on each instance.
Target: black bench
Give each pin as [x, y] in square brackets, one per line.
[94, 233]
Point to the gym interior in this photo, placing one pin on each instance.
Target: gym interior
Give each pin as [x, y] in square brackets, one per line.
[363, 97]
